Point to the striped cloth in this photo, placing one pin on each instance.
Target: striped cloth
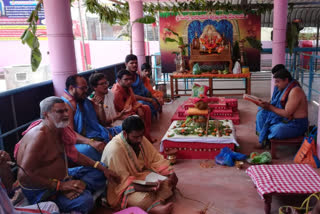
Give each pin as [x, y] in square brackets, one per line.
[286, 178]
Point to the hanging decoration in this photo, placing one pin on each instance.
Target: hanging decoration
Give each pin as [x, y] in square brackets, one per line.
[119, 12]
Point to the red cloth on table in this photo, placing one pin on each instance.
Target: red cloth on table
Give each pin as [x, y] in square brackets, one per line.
[196, 150]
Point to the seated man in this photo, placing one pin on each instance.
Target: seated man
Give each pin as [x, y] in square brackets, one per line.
[103, 100]
[133, 157]
[6, 181]
[144, 74]
[274, 70]
[91, 136]
[286, 115]
[124, 100]
[142, 94]
[43, 154]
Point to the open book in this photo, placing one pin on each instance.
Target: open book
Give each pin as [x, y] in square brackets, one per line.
[251, 98]
[151, 179]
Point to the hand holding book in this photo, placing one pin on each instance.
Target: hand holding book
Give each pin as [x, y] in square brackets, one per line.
[253, 99]
[152, 179]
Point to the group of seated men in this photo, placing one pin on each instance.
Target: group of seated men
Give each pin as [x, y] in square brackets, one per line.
[60, 155]
[61, 158]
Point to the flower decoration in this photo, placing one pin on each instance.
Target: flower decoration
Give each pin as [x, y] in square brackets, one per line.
[210, 43]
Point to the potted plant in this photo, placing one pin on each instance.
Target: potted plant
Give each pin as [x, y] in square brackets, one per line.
[128, 27]
[182, 49]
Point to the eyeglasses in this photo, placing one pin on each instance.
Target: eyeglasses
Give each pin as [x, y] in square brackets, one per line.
[104, 83]
[83, 88]
[61, 111]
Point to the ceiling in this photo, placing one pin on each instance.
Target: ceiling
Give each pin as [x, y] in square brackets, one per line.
[308, 11]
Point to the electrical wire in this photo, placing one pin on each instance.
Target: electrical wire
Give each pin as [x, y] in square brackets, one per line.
[13, 164]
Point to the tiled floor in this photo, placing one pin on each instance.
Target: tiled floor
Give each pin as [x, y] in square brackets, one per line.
[229, 190]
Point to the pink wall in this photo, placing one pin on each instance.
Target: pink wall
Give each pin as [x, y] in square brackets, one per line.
[105, 53]
[16, 53]
[102, 53]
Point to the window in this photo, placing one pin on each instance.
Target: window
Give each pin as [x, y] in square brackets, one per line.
[21, 77]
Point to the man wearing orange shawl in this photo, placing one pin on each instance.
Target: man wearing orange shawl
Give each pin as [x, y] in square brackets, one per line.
[133, 157]
[144, 74]
[124, 99]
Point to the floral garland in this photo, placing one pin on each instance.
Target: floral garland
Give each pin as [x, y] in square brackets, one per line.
[119, 13]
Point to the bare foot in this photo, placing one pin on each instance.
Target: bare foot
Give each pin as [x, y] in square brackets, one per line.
[162, 209]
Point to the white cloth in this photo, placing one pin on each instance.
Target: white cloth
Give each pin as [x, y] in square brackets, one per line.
[109, 108]
[196, 138]
[236, 68]
[6, 206]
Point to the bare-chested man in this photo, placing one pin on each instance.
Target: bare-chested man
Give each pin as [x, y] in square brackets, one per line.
[43, 153]
[286, 115]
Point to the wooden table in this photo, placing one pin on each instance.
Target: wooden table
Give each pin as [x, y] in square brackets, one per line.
[175, 89]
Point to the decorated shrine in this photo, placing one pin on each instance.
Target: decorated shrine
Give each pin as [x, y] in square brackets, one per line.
[220, 108]
[214, 40]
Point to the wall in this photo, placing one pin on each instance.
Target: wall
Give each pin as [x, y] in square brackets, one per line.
[100, 53]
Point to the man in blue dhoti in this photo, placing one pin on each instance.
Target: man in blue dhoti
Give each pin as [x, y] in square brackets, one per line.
[43, 155]
[286, 115]
[142, 94]
[91, 136]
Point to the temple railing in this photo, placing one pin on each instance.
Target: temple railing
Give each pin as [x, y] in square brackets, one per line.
[304, 66]
[20, 107]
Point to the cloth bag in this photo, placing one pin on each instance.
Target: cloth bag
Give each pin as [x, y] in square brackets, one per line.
[307, 154]
[236, 68]
[227, 157]
[303, 209]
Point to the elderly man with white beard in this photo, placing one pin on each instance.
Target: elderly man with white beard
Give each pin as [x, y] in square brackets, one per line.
[44, 152]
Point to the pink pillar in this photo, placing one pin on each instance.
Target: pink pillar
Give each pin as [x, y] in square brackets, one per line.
[318, 138]
[136, 11]
[60, 41]
[280, 11]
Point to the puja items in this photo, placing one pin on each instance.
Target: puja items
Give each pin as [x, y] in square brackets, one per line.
[172, 159]
[171, 155]
[239, 164]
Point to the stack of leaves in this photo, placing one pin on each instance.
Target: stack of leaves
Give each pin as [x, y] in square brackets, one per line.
[256, 158]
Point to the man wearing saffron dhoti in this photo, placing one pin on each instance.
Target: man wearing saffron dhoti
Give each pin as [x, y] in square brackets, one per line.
[286, 115]
[144, 74]
[124, 100]
[141, 93]
[133, 157]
